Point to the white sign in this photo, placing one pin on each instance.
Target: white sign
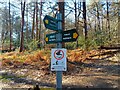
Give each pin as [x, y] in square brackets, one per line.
[58, 60]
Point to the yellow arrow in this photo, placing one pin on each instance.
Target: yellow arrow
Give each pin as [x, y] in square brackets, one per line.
[46, 21]
[46, 39]
[75, 35]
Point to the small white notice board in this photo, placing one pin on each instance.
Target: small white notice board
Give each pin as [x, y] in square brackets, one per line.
[58, 60]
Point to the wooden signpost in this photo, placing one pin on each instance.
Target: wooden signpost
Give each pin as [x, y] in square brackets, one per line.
[58, 60]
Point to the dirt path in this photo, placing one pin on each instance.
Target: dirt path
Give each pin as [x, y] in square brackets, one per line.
[101, 73]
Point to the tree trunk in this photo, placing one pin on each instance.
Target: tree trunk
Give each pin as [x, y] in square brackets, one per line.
[108, 21]
[76, 20]
[98, 17]
[40, 19]
[36, 21]
[10, 27]
[95, 25]
[98, 23]
[27, 24]
[79, 13]
[118, 23]
[33, 24]
[40, 25]
[102, 24]
[85, 23]
[22, 27]
[102, 29]
[118, 29]
[75, 5]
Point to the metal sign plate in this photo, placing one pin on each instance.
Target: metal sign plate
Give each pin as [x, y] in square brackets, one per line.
[50, 23]
[58, 60]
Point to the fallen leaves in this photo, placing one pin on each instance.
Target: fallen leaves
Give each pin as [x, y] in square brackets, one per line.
[81, 68]
[78, 56]
[41, 59]
[6, 62]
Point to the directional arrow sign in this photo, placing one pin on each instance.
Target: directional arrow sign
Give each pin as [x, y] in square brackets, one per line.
[50, 23]
[70, 35]
[67, 36]
[51, 38]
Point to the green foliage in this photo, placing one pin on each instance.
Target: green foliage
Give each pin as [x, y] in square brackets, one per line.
[6, 42]
[70, 45]
[89, 43]
[16, 43]
[81, 42]
[32, 45]
[73, 45]
[102, 38]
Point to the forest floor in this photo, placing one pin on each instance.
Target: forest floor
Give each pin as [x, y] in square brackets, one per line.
[93, 69]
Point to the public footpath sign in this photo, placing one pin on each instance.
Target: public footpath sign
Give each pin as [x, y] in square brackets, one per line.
[58, 60]
[69, 35]
[58, 55]
[50, 23]
[51, 38]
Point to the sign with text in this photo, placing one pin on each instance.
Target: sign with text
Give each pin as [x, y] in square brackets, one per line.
[67, 36]
[50, 38]
[58, 60]
[70, 35]
[50, 23]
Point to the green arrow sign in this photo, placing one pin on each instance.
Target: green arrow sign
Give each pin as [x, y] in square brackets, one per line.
[50, 23]
[51, 38]
[67, 36]
[70, 35]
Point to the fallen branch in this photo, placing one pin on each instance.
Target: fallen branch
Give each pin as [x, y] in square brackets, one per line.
[103, 47]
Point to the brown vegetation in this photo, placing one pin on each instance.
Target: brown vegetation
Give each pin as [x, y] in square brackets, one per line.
[41, 59]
